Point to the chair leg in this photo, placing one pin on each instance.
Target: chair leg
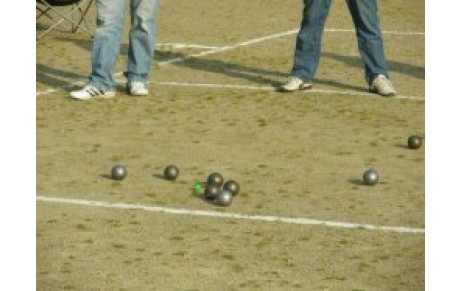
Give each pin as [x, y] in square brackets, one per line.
[69, 17]
[44, 12]
[83, 13]
[66, 17]
[50, 28]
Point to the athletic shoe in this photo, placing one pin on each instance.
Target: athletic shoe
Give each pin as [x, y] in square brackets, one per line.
[136, 88]
[293, 83]
[383, 86]
[90, 92]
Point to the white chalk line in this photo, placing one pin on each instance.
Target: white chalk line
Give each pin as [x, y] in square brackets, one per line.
[271, 88]
[391, 32]
[47, 92]
[226, 48]
[185, 46]
[79, 82]
[229, 215]
[213, 86]
[264, 38]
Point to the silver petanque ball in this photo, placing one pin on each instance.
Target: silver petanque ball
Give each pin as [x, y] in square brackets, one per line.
[224, 198]
[211, 191]
[215, 179]
[370, 177]
[232, 186]
[118, 172]
[171, 172]
[414, 142]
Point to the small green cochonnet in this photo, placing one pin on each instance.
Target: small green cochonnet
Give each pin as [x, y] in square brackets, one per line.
[197, 187]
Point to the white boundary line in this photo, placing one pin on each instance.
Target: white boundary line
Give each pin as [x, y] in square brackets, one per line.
[184, 46]
[392, 32]
[260, 88]
[70, 85]
[46, 92]
[226, 48]
[270, 88]
[204, 213]
[213, 86]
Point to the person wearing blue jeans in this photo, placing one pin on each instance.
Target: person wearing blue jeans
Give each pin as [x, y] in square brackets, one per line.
[370, 44]
[106, 47]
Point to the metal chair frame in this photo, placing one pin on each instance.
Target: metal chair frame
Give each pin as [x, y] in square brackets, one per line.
[46, 8]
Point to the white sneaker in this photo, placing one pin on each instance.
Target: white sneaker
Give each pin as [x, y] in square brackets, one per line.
[136, 88]
[293, 83]
[89, 92]
[383, 86]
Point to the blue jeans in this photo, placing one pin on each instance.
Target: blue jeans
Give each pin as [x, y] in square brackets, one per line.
[370, 43]
[107, 40]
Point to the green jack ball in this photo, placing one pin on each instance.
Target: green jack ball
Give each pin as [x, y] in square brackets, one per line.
[198, 187]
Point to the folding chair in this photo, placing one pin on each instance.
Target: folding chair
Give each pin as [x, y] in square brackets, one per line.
[51, 9]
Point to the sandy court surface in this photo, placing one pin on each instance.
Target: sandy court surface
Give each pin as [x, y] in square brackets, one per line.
[297, 155]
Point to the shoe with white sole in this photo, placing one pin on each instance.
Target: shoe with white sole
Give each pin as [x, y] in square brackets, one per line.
[137, 88]
[293, 84]
[90, 92]
[382, 86]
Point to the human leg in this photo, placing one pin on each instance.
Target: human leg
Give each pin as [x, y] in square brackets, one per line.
[370, 42]
[308, 44]
[141, 39]
[107, 41]
[106, 46]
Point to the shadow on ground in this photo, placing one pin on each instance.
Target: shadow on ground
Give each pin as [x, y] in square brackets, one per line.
[50, 76]
[53, 76]
[394, 66]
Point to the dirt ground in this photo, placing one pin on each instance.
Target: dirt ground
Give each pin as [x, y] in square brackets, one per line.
[297, 155]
